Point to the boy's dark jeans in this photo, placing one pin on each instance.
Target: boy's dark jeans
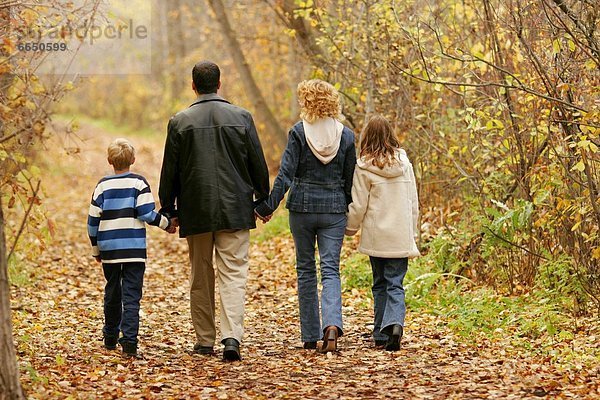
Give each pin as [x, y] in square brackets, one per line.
[122, 296]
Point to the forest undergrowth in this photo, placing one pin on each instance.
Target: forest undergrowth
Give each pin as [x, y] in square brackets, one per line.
[462, 340]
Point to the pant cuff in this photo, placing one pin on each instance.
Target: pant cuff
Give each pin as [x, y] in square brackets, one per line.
[387, 329]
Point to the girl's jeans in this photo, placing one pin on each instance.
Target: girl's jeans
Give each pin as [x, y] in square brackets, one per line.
[388, 294]
[327, 230]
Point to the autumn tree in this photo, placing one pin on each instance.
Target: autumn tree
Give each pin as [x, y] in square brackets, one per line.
[248, 81]
[26, 103]
[495, 101]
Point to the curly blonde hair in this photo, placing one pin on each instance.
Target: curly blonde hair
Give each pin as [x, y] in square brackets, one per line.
[318, 99]
[121, 153]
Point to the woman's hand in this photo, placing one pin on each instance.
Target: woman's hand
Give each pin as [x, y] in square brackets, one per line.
[263, 219]
[348, 232]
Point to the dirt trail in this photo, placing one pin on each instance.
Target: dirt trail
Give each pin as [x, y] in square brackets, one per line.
[59, 318]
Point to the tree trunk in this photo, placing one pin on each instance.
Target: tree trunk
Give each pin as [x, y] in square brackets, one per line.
[10, 387]
[304, 33]
[176, 48]
[254, 93]
[295, 66]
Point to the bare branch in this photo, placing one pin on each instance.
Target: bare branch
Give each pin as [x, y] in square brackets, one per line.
[24, 221]
[489, 84]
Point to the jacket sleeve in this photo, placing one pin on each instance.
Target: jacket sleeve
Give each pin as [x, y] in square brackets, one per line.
[259, 172]
[283, 181]
[361, 189]
[144, 208]
[169, 176]
[349, 165]
[414, 198]
[93, 221]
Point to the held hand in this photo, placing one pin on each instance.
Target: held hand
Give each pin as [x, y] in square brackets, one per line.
[350, 233]
[175, 222]
[98, 259]
[263, 219]
[171, 229]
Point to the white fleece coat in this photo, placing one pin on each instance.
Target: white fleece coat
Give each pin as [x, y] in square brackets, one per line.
[385, 204]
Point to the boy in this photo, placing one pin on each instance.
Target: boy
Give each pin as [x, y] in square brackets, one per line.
[120, 205]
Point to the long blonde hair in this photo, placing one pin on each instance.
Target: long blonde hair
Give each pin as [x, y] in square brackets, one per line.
[378, 142]
[318, 99]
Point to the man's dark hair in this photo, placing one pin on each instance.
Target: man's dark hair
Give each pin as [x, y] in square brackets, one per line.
[206, 75]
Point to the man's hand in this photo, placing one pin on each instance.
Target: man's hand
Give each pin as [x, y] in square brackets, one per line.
[263, 219]
[98, 259]
[173, 225]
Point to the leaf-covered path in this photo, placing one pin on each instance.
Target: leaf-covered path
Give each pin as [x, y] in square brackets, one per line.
[58, 320]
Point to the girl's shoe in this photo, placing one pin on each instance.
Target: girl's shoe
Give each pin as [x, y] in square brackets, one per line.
[393, 342]
[310, 345]
[329, 340]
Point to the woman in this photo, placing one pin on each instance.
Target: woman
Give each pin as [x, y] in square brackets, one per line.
[385, 176]
[317, 166]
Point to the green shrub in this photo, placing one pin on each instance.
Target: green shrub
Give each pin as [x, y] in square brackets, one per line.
[356, 273]
[557, 280]
[278, 226]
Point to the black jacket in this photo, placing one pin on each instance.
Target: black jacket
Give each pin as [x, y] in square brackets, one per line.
[213, 168]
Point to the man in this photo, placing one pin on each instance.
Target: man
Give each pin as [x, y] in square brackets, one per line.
[213, 170]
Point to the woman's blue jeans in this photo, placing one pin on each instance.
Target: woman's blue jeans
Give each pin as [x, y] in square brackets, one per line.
[388, 294]
[327, 231]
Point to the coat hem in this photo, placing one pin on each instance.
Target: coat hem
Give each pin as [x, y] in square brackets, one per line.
[389, 254]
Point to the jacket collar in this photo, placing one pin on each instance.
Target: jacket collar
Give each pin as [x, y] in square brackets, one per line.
[204, 98]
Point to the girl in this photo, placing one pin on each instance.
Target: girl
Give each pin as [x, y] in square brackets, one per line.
[385, 204]
[317, 166]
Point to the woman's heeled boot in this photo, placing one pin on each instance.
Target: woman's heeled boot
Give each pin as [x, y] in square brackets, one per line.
[329, 340]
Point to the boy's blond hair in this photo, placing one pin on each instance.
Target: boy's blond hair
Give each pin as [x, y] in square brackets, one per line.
[121, 154]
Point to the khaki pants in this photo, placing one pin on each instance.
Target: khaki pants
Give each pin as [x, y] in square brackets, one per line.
[231, 254]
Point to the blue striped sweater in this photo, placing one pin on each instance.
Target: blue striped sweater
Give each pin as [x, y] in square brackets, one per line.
[120, 206]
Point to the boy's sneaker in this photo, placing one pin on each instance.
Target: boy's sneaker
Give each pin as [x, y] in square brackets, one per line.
[130, 350]
[110, 343]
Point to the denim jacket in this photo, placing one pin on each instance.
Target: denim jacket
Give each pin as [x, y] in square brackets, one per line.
[314, 186]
